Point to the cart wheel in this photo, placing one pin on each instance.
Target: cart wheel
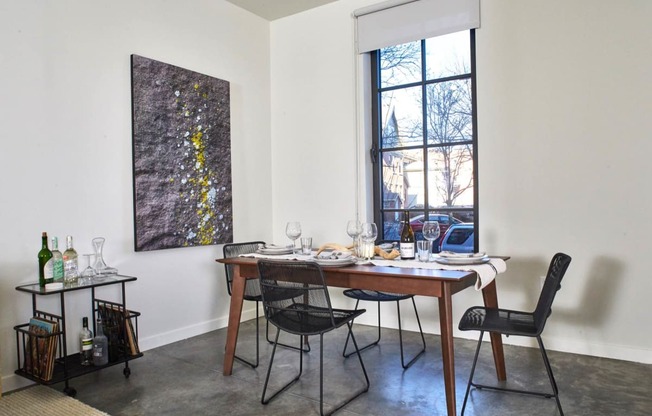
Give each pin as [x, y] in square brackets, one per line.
[126, 372]
[70, 391]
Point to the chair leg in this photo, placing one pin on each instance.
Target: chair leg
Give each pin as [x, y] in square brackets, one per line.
[242, 360]
[321, 375]
[553, 383]
[346, 343]
[400, 336]
[531, 393]
[269, 371]
[475, 360]
[292, 347]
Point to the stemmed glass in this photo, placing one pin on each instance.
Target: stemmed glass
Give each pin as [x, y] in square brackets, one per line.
[293, 231]
[368, 234]
[353, 229]
[87, 275]
[431, 231]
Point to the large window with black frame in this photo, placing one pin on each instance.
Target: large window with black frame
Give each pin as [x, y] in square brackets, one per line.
[425, 138]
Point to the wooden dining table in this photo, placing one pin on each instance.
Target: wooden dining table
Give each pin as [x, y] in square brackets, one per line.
[442, 284]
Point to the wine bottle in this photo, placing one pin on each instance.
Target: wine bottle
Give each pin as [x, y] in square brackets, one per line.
[406, 246]
[100, 346]
[57, 261]
[70, 262]
[44, 264]
[86, 344]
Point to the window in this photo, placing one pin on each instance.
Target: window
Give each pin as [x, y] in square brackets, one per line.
[424, 133]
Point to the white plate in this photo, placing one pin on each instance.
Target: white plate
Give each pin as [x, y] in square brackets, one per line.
[462, 261]
[335, 262]
[453, 255]
[274, 250]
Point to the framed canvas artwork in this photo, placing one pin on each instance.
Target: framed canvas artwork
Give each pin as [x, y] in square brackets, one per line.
[181, 157]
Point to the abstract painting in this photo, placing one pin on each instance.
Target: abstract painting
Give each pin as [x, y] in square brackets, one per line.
[181, 157]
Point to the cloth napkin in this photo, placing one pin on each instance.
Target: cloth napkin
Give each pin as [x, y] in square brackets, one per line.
[486, 272]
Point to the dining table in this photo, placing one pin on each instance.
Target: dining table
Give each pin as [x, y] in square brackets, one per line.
[441, 284]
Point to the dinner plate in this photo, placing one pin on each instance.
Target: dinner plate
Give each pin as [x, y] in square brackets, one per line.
[274, 250]
[462, 260]
[335, 262]
[453, 255]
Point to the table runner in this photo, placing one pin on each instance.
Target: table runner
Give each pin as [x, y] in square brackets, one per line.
[486, 272]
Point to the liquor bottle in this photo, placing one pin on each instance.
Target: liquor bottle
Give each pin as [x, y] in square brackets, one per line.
[44, 264]
[57, 261]
[100, 346]
[406, 246]
[86, 344]
[70, 262]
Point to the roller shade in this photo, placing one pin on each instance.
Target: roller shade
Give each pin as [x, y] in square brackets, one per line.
[399, 21]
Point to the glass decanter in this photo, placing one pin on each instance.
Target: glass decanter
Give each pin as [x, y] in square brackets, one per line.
[100, 266]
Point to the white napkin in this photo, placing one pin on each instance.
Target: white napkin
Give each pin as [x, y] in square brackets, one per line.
[486, 272]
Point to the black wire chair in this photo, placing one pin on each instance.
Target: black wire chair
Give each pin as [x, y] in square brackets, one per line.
[527, 324]
[295, 299]
[375, 296]
[252, 292]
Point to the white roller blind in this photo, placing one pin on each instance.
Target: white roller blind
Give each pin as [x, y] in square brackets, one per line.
[400, 21]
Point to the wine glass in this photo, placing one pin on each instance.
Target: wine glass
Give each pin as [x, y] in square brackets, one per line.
[88, 273]
[431, 231]
[293, 231]
[353, 229]
[368, 234]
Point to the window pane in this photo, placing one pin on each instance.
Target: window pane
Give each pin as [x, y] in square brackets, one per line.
[402, 118]
[403, 185]
[450, 112]
[448, 55]
[400, 64]
[450, 176]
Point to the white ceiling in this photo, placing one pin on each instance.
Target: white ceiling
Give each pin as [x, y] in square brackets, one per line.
[275, 9]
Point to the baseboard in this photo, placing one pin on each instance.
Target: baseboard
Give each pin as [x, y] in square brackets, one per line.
[611, 351]
[158, 340]
[14, 382]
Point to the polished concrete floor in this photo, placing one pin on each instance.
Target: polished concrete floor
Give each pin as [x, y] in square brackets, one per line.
[185, 378]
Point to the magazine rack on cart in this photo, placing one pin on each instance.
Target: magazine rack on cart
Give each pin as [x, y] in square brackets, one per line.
[64, 366]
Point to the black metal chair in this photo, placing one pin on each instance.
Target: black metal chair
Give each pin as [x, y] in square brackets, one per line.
[527, 324]
[252, 291]
[375, 296]
[295, 299]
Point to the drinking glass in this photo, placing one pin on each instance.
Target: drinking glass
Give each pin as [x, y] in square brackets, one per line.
[423, 250]
[306, 245]
[293, 231]
[368, 235]
[353, 229]
[87, 275]
[431, 231]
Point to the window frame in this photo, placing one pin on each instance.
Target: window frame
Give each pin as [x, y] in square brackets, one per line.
[377, 149]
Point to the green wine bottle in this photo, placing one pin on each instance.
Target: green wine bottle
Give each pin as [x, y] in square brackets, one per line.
[407, 243]
[57, 261]
[45, 268]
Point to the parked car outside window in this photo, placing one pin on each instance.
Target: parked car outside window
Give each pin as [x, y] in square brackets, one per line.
[459, 238]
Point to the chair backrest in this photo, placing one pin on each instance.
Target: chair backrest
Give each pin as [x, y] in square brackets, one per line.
[552, 284]
[234, 250]
[295, 296]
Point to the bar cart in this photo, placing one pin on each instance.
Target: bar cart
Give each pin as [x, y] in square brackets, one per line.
[41, 345]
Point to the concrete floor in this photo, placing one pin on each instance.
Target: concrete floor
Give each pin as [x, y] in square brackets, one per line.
[185, 378]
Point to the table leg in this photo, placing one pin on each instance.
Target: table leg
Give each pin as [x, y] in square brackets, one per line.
[491, 301]
[235, 312]
[447, 349]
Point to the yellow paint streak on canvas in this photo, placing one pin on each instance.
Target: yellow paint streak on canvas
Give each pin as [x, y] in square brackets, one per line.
[202, 182]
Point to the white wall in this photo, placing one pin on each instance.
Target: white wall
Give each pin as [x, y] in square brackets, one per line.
[564, 146]
[66, 164]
